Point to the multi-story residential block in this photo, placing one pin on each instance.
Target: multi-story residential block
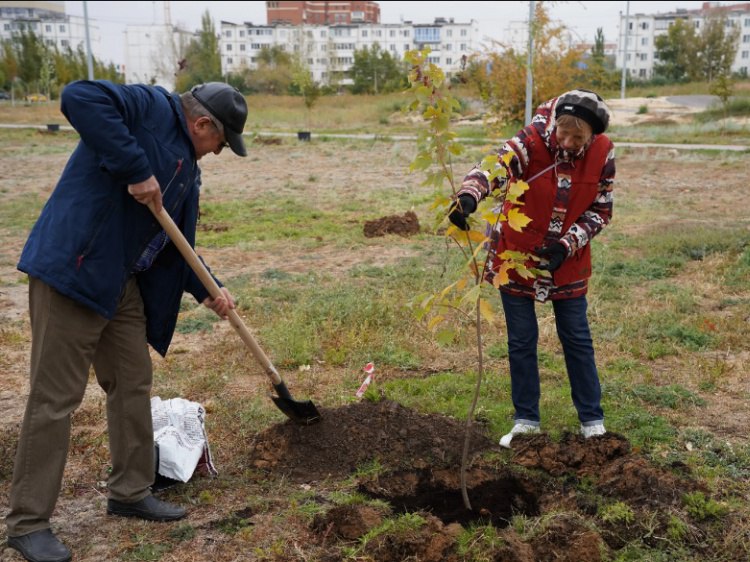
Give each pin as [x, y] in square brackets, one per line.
[329, 50]
[48, 22]
[322, 13]
[636, 39]
[153, 53]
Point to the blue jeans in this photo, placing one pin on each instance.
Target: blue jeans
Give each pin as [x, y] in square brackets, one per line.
[575, 336]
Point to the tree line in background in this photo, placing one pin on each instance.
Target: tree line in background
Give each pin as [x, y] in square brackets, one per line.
[28, 66]
[498, 74]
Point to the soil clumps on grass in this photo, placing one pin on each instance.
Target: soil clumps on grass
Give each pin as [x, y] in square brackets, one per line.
[410, 463]
[403, 225]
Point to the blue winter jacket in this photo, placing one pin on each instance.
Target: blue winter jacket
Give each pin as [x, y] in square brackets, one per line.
[91, 230]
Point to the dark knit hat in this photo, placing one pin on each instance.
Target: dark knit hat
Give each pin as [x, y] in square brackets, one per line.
[585, 105]
[228, 105]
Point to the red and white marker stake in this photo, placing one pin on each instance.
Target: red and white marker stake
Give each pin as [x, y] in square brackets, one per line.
[369, 369]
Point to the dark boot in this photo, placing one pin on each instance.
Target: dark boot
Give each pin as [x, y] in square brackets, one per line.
[148, 508]
[40, 546]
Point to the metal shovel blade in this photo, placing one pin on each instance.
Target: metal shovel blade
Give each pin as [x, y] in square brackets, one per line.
[304, 413]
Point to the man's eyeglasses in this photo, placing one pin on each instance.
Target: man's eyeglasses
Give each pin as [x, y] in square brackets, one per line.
[219, 129]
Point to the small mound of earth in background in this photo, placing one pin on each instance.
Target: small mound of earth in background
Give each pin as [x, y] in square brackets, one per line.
[404, 225]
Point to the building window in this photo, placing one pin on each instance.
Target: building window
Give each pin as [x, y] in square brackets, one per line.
[745, 54]
[48, 28]
[746, 38]
[229, 47]
[392, 33]
[644, 25]
[463, 46]
[448, 46]
[364, 33]
[64, 43]
[255, 46]
[228, 33]
[463, 33]
[242, 47]
[644, 56]
[229, 60]
[62, 29]
[448, 60]
[242, 32]
[644, 40]
[449, 33]
[427, 35]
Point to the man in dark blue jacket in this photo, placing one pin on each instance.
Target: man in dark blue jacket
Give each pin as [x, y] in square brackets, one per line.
[104, 280]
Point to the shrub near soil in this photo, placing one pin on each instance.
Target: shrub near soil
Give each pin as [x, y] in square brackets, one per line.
[377, 479]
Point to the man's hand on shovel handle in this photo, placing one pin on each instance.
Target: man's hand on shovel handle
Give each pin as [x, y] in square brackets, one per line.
[221, 305]
[146, 192]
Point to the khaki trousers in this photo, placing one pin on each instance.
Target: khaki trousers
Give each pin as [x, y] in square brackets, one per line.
[67, 338]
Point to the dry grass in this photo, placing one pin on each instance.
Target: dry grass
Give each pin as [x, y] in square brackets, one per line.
[646, 313]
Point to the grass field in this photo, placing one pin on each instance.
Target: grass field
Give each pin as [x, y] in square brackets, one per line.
[283, 229]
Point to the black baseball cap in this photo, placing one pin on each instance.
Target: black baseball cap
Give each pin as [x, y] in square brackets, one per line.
[228, 105]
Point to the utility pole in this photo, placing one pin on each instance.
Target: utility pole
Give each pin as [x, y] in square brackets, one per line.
[625, 51]
[89, 60]
[530, 59]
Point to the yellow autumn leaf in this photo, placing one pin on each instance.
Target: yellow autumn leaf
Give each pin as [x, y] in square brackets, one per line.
[471, 296]
[434, 321]
[523, 271]
[502, 277]
[507, 158]
[476, 236]
[485, 309]
[512, 255]
[517, 220]
[488, 162]
[439, 202]
[491, 217]
[516, 189]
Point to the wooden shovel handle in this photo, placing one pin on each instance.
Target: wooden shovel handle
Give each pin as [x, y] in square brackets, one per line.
[208, 281]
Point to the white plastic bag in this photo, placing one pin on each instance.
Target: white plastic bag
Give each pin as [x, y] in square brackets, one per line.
[180, 437]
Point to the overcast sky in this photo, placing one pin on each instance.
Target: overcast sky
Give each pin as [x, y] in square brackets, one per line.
[583, 18]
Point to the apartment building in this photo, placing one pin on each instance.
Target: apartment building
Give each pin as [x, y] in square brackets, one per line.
[48, 21]
[153, 53]
[328, 50]
[636, 40]
[322, 13]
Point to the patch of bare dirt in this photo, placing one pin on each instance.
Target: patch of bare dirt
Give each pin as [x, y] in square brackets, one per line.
[403, 225]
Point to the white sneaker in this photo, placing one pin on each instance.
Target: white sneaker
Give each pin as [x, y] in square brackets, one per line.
[518, 428]
[592, 430]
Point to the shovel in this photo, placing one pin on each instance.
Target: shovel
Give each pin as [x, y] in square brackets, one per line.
[300, 412]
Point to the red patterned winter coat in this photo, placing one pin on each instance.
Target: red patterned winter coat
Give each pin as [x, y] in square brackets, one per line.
[569, 200]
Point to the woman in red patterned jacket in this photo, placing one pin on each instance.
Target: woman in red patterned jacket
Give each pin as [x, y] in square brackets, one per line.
[569, 165]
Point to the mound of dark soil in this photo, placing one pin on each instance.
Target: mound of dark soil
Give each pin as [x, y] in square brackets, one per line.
[347, 438]
[405, 225]
[420, 457]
